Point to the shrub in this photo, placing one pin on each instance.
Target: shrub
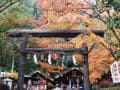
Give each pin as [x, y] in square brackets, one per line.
[106, 83]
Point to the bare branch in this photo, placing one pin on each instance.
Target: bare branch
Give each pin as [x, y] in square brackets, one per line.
[110, 50]
[91, 48]
[116, 36]
[108, 13]
[99, 16]
[4, 4]
[9, 5]
[16, 47]
[94, 9]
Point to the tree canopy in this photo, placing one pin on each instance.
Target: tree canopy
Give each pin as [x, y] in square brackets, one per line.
[84, 14]
[62, 15]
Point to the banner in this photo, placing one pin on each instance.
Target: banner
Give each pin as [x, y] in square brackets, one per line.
[8, 74]
[115, 71]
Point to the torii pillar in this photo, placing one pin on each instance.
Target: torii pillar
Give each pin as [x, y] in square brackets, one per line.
[21, 66]
[85, 67]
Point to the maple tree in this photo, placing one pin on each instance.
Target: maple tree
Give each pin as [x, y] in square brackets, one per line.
[99, 64]
[89, 15]
[99, 58]
[50, 68]
[65, 14]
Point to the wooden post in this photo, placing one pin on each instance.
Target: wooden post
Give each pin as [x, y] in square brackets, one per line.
[85, 67]
[20, 82]
[61, 82]
[77, 80]
[70, 83]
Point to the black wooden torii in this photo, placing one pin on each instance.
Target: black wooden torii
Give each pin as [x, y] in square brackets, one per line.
[51, 33]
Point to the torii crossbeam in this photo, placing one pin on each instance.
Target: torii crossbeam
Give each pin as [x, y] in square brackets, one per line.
[52, 33]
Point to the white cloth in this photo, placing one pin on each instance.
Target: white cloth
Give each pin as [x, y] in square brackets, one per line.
[74, 60]
[35, 59]
[49, 59]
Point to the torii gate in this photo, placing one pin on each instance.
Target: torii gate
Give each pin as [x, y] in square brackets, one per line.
[51, 33]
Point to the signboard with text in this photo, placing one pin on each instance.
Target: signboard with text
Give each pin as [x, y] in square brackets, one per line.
[115, 71]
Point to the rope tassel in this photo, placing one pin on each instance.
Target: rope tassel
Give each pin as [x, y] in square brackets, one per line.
[63, 60]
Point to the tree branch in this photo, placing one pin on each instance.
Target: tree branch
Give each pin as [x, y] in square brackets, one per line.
[108, 12]
[9, 5]
[91, 48]
[110, 50]
[4, 4]
[16, 47]
[115, 34]
[99, 16]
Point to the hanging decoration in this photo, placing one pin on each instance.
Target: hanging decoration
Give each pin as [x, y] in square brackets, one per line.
[28, 56]
[63, 60]
[42, 57]
[54, 56]
[74, 60]
[35, 59]
[68, 58]
[49, 59]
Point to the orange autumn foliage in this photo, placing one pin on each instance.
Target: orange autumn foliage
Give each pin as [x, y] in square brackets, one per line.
[99, 63]
[99, 58]
[69, 14]
[89, 38]
[50, 68]
[52, 43]
[66, 14]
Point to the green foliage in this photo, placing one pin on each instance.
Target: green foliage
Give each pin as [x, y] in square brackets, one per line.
[79, 64]
[5, 4]
[70, 62]
[14, 16]
[22, 9]
[8, 19]
[115, 4]
[6, 55]
[113, 43]
[59, 62]
[6, 23]
[111, 88]
[66, 62]
[113, 22]
[30, 7]
[30, 66]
